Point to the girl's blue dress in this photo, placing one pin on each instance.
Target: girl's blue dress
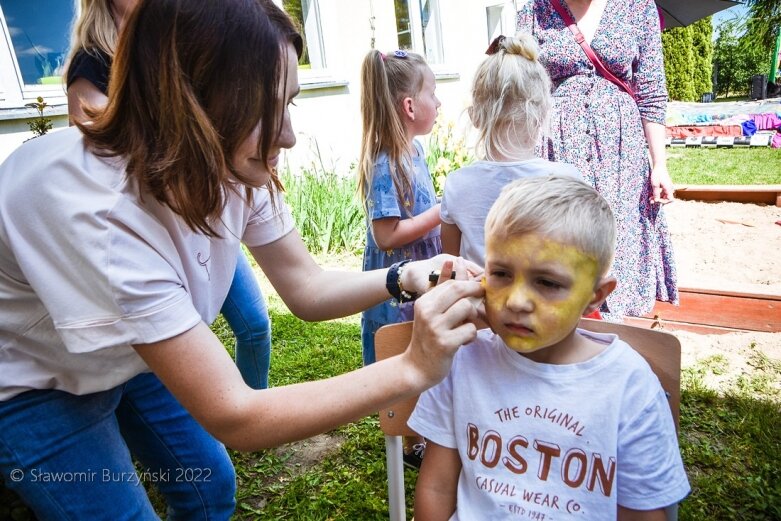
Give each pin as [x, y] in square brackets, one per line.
[383, 202]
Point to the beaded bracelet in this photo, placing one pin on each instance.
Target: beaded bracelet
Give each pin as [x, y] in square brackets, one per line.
[393, 283]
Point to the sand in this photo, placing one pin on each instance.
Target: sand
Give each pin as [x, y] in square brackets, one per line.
[729, 246]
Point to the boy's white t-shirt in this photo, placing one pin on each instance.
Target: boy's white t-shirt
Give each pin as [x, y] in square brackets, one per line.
[88, 268]
[471, 191]
[567, 442]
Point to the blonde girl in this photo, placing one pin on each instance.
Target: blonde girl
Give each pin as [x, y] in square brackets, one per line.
[397, 103]
[93, 42]
[510, 106]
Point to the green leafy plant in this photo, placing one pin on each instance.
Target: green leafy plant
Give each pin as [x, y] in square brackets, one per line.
[445, 153]
[40, 125]
[325, 209]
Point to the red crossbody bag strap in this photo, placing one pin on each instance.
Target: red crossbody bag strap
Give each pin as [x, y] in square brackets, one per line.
[572, 26]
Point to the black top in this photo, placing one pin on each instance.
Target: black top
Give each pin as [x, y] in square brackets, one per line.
[93, 67]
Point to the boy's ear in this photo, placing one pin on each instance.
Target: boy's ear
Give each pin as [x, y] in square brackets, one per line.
[604, 288]
[408, 108]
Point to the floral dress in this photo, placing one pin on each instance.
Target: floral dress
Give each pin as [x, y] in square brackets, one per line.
[383, 202]
[597, 127]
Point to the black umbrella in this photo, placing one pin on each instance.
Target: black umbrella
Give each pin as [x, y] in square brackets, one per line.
[680, 13]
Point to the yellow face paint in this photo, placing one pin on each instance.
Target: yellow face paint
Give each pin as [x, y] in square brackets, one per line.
[536, 289]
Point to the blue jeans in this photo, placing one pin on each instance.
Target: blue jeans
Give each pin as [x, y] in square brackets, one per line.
[245, 311]
[368, 329]
[71, 457]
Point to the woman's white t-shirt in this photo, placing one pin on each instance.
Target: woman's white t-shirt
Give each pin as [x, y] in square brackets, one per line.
[89, 268]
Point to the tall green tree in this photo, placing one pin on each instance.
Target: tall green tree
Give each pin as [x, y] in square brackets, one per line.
[763, 23]
[735, 61]
[678, 49]
[702, 59]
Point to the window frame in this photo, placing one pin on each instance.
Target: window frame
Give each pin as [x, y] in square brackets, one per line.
[320, 76]
[14, 92]
[418, 37]
[506, 19]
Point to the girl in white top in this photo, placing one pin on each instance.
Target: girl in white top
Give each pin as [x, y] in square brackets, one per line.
[510, 106]
[118, 244]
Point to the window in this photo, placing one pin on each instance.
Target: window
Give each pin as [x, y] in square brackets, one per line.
[500, 19]
[307, 14]
[39, 37]
[418, 28]
[493, 16]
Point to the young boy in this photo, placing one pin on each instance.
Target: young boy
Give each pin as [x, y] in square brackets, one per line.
[538, 419]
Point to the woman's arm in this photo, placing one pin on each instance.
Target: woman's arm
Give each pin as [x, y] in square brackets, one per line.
[451, 239]
[435, 491]
[312, 293]
[393, 232]
[195, 367]
[83, 91]
[661, 183]
[651, 87]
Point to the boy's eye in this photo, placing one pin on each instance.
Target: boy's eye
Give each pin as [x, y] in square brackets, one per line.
[549, 284]
[498, 274]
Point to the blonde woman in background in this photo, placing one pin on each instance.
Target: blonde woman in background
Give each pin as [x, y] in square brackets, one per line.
[93, 42]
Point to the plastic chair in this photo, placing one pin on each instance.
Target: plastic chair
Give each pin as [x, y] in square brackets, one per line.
[661, 350]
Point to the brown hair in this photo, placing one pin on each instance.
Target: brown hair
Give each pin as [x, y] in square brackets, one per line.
[385, 81]
[190, 81]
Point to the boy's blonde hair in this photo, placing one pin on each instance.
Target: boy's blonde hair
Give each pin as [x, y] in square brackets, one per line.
[386, 79]
[560, 207]
[510, 97]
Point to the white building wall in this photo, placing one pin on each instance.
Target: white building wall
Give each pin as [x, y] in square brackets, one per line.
[327, 112]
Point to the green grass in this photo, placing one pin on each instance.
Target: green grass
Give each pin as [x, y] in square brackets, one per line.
[350, 481]
[731, 442]
[724, 166]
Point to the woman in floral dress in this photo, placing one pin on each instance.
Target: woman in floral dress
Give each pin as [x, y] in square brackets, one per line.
[599, 128]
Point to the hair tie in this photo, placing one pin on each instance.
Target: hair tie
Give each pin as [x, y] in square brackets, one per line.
[400, 54]
[494, 47]
[382, 56]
